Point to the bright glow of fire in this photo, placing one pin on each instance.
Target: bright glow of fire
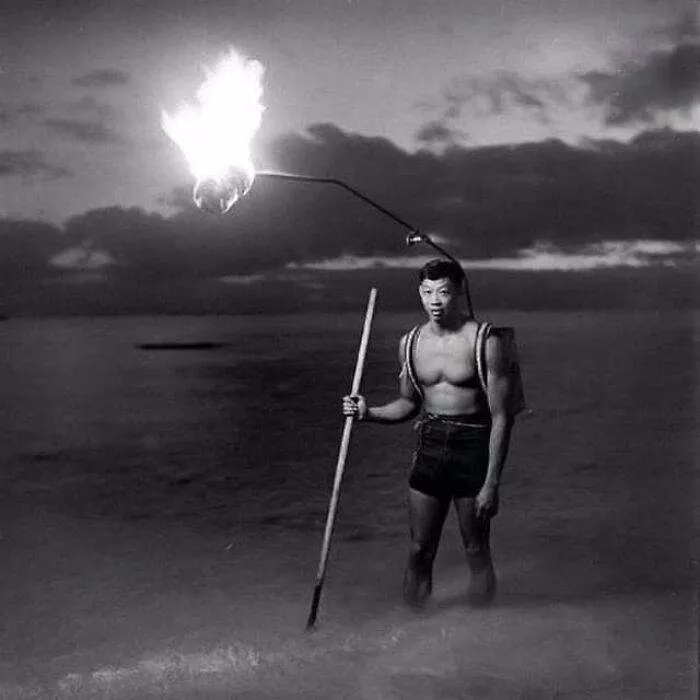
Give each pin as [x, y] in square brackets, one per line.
[215, 135]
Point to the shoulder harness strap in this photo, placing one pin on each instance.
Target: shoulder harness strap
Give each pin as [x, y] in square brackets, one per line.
[482, 333]
[408, 359]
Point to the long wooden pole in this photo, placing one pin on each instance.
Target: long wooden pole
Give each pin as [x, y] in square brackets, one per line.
[340, 467]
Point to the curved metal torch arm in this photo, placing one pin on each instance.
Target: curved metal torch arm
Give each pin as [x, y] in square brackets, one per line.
[414, 234]
[344, 185]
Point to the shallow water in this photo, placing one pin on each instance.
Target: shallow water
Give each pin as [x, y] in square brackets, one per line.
[173, 501]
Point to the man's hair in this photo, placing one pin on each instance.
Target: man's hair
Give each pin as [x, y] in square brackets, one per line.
[438, 269]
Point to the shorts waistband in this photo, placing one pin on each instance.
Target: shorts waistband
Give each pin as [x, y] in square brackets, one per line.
[466, 419]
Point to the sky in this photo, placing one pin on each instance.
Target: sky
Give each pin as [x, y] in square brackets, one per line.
[524, 135]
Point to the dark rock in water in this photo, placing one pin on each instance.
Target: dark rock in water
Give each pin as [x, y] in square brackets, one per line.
[45, 456]
[181, 346]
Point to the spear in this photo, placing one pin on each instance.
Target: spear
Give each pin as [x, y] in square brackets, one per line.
[340, 467]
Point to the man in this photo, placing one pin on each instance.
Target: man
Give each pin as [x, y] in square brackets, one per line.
[463, 434]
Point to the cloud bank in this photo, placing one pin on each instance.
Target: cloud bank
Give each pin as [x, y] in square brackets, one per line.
[92, 132]
[535, 208]
[103, 78]
[656, 83]
[28, 163]
[663, 80]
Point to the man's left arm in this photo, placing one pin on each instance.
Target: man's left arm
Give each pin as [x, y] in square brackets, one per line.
[498, 391]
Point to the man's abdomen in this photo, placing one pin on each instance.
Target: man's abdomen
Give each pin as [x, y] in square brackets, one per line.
[445, 398]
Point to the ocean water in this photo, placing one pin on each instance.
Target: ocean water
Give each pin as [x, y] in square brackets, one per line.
[162, 501]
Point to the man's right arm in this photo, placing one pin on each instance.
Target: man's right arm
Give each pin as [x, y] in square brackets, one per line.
[396, 411]
[401, 409]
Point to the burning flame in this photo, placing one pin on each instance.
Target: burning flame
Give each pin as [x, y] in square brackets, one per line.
[216, 134]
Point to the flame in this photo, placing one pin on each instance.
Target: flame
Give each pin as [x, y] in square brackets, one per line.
[215, 135]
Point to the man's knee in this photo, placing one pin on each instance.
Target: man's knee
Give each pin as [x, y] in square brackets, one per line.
[477, 547]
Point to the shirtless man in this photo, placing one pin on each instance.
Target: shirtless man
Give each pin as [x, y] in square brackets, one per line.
[463, 433]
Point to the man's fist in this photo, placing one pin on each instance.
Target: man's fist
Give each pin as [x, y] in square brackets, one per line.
[355, 406]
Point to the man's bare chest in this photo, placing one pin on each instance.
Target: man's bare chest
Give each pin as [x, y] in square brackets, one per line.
[450, 359]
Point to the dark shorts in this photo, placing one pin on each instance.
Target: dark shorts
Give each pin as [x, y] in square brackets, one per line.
[451, 457]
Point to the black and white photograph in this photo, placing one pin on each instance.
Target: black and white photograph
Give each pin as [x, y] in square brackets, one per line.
[349, 349]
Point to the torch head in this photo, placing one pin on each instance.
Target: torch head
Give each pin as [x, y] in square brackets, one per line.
[216, 132]
[216, 195]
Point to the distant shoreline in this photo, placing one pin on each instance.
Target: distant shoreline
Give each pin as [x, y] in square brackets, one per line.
[486, 311]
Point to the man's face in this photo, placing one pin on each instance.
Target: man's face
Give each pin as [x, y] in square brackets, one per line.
[439, 297]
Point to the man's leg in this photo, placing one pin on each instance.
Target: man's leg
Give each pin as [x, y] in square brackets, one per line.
[476, 536]
[426, 518]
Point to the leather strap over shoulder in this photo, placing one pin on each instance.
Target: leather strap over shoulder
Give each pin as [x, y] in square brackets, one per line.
[482, 333]
[408, 360]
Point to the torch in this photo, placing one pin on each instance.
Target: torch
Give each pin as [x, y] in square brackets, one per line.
[215, 137]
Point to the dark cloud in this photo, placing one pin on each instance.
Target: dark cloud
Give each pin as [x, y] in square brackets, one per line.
[666, 79]
[88, 104]
[101, 78]
[496, 94]
[89, 131]
[11, 115]
[685, 28]
[25, 249]
[87, 120]
[484, 202]
[27, 164]
[501, 92]
[507, 90]
[438, 133]
[30, 109]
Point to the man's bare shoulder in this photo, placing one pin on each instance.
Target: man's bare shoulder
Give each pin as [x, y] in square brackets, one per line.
[403, 340]
[466, 332]
[469, 327]
[495, 351]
